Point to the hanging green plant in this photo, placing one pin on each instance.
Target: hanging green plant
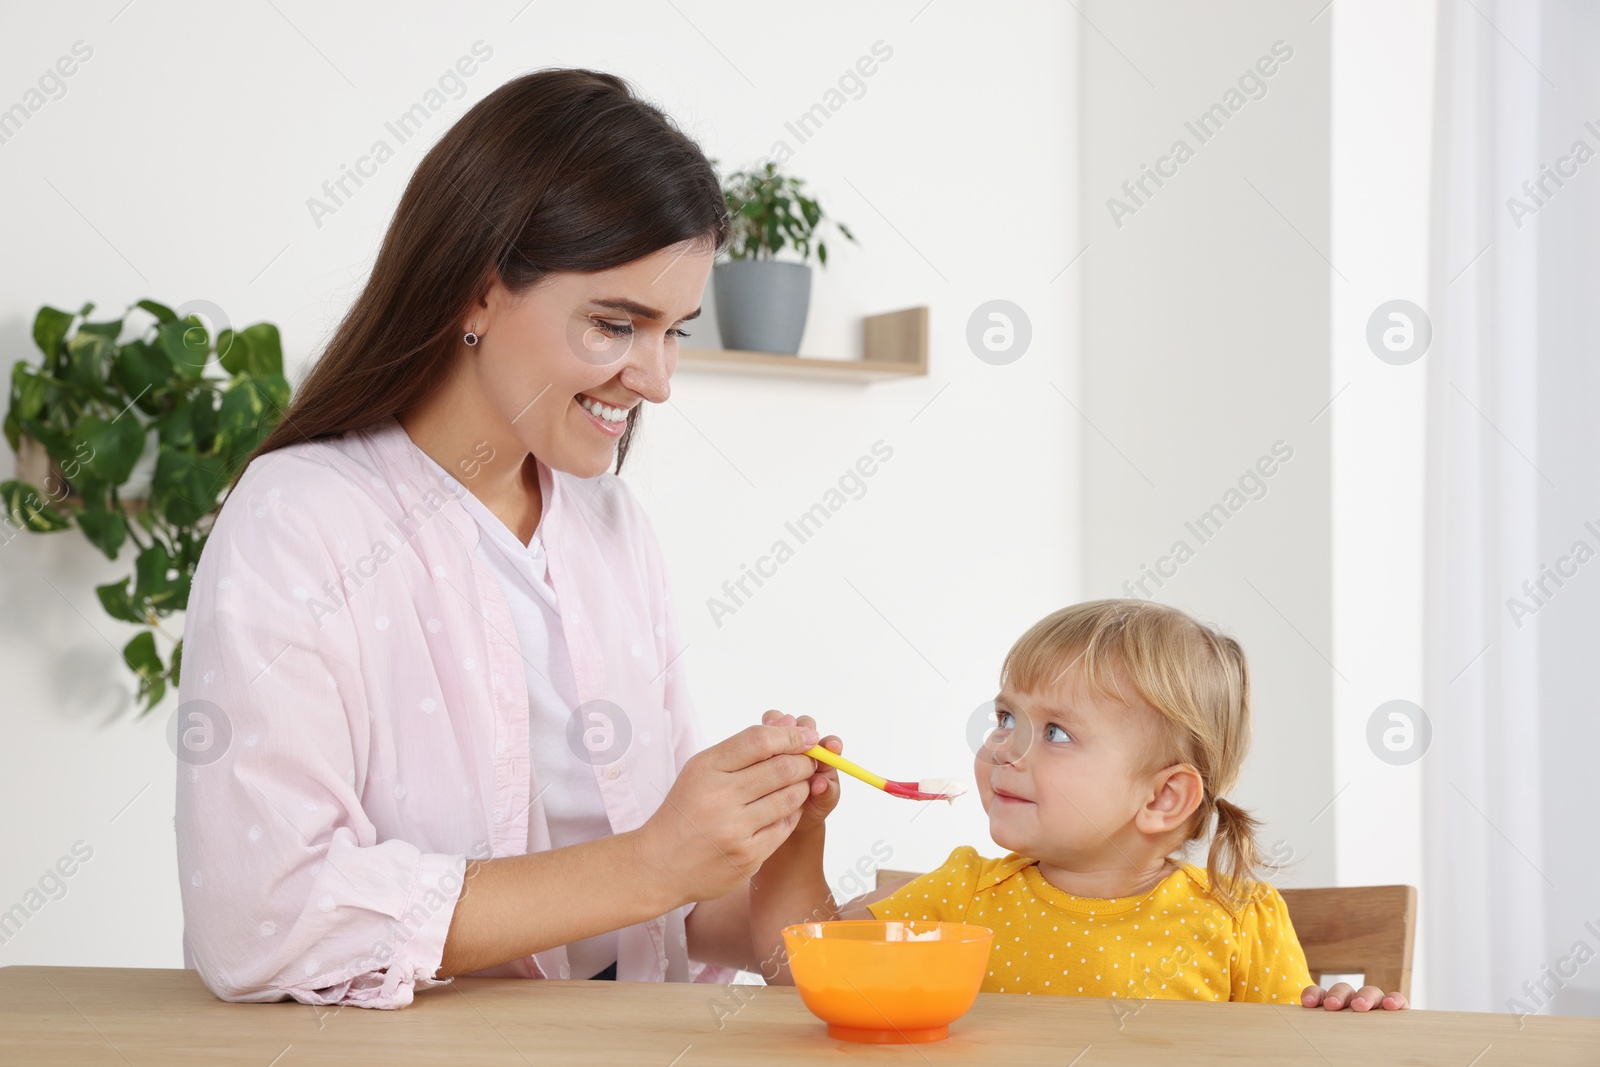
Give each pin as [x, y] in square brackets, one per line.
[191, 405]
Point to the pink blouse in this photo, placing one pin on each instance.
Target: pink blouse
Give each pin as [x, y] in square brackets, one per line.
[353, 720]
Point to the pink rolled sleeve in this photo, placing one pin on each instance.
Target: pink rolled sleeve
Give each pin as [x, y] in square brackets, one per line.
[289, 890]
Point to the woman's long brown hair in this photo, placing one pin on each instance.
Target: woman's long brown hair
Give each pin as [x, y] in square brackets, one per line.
[558, 170]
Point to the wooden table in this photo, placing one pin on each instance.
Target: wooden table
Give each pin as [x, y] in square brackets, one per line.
[124, 1016]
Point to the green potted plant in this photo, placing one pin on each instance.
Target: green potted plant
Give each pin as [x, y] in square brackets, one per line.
[762, 301]
[192, 406]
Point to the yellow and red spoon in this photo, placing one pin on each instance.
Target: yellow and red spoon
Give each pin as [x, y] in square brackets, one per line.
[927, 789]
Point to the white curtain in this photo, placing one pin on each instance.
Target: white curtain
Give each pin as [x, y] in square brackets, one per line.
[1511, 901]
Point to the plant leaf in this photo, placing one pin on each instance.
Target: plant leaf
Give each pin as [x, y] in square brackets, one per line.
[266, 349]
[57, 443]
[140, 654]
[143, 371]
[250, 408]
[28, 390]
[186, 344]
[114, 598]
[95, 492]
[88, 359]
[160, 311]
[27, 508]
[112, 446]
[50, 328]
[192, 422]
[153, 692]
[150, 573]
[233, 352]
[105, 529]
[185, 486]
[109, 330]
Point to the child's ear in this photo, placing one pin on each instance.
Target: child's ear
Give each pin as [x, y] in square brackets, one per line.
[1175, 793]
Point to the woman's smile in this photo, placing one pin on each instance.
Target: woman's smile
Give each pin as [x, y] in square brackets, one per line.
[609, 420]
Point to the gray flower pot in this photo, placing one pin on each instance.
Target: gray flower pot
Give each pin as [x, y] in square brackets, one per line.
[762, 304]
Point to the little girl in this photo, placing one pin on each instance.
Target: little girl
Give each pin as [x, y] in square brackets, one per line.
[1120, 725]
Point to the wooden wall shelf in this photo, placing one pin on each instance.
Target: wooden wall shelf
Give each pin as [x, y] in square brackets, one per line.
[893, 345]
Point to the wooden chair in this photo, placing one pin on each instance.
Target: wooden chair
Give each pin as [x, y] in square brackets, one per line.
[1368, 930]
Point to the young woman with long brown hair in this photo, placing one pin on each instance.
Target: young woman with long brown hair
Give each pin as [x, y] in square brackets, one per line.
[431, 639]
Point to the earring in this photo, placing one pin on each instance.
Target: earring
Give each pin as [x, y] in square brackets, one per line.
[471, 338]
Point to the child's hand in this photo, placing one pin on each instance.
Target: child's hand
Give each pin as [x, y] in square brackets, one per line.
[824, 784]
[1364, 999]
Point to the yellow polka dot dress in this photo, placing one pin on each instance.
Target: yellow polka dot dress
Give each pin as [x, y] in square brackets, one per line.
[1175, 942]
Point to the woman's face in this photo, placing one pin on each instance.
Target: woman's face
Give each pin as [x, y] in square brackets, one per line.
[565, 362]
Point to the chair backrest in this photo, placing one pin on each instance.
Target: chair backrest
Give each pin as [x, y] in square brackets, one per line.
[1367, 929]
[887, 877]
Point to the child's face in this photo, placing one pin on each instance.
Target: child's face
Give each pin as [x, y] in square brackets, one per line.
[1063, 775]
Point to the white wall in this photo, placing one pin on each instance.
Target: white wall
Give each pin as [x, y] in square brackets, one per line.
[178, 166]
[1206, 317]
[1383, 67]
[1216, 322]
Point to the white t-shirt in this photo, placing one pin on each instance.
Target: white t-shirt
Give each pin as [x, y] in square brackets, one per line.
[574, 809]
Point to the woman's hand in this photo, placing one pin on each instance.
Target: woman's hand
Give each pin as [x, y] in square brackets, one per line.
[790, 886]
[726, 812]
[824, 796]
[1342, 995]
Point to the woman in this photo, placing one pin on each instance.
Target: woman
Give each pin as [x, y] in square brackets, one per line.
[431, 644]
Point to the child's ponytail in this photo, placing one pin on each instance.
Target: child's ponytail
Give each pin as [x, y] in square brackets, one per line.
[1234, 861]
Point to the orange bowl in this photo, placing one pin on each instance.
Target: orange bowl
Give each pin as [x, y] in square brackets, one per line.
[888, 982]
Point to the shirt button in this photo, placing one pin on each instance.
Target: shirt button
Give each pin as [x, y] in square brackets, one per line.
[499, 815]
[499, 748]
[611, 772]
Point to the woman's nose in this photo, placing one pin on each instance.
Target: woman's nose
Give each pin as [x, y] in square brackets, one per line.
[648, 371]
